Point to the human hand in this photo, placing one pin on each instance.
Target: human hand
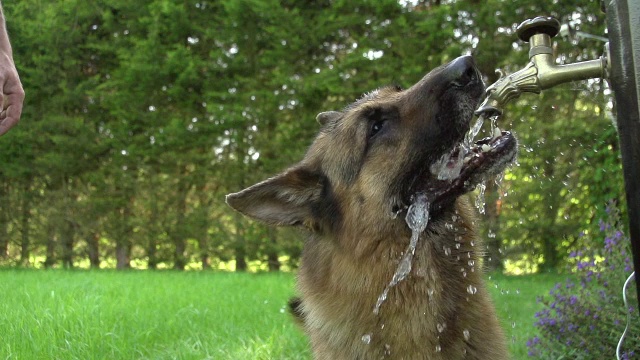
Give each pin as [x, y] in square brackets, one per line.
[11, 93]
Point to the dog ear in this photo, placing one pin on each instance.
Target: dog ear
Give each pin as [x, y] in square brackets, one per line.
[324, 117]
[286, 199]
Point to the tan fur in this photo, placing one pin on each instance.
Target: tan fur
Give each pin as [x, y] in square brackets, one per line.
[345, 192]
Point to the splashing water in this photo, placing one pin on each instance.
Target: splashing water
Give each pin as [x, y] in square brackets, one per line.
[417, 219]
[472, 133]
[494, 126]
[445, 168]
[480, 201]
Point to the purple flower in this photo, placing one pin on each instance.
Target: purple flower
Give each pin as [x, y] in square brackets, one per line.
[609, 243]
[573, 300]
[570, 316]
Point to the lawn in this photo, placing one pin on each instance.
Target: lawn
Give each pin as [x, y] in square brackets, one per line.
[185, 315]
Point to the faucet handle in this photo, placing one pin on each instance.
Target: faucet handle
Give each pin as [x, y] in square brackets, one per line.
[539, 25]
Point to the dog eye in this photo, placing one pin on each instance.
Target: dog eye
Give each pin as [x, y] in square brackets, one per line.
[376, 127]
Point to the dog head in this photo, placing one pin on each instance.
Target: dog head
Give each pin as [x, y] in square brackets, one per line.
[370, 158]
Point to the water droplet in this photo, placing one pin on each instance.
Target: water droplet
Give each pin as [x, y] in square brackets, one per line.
[441, 327]
[471, 262]
[447, 250]
[513, 325]
[472, 289]
[366, 338]
[466, 334]
[387, 349]
[472, 243]
[457, 245]
[438, 348]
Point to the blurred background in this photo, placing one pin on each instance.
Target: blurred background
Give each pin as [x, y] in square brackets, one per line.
[141, 115]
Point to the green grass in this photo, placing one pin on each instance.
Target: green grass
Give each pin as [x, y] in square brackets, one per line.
[185, 315]
[146, 315]
[515, 300]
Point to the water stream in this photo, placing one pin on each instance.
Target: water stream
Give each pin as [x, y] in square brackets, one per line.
[473, 132]
[446, 168]
[417, 219]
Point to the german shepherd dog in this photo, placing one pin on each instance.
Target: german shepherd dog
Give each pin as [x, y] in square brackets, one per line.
[351, 192]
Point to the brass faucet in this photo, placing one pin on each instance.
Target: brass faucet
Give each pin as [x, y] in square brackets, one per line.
[541, 72]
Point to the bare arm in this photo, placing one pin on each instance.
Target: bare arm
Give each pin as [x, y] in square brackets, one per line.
[11, 92]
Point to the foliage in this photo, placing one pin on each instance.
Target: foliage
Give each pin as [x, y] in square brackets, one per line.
[584, 318]
[140, 116]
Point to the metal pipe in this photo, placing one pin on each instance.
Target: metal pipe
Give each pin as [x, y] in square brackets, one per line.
[541, 72]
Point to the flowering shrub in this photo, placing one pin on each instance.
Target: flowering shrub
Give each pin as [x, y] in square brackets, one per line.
[585, 317]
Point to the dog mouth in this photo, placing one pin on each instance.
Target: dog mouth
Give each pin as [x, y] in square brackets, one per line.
[467, 164]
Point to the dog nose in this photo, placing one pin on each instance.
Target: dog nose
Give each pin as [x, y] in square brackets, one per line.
[462, 71]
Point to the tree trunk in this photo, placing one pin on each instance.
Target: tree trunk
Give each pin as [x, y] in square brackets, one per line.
[273, 260]
[4, 221]
[240, 246]
[24, 222]
[123, 260]
[549, 232]
[50, 260]
[93, 245]
[180, 232]
[67, 245]
[123, 243]
[152, 226]
[203, 245]
[152, 256]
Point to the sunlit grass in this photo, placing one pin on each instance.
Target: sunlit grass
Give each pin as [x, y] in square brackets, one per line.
[146, 315]
[185, 315]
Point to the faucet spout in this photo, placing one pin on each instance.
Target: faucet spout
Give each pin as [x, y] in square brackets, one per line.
[541, 72]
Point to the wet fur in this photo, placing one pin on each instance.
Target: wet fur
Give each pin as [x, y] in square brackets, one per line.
[345, 192]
